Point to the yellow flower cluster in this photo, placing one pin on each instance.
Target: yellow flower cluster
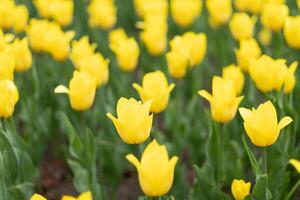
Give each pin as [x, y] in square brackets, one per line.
[60, 11]
[102, 13]
[125, 48]
[154, 26]
[186, 51]
[270, 74]
[46, 36]
[13, 16]
[82, 196]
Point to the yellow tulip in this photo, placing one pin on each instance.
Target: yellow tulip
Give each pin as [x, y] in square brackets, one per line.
[261, 124]
[275, 1]
[240, 189]
[22, 54]
[134, 122]
[273, 16]
[265, 37]
[197, 45]
[37, 197]
[117, 36]
[234, 74]
[21, 18]
[81, 50]
[184, 12]
[9, 96]
[291, 31]
[102, 13]
[242, 26]
[82, 196]
[127, 52]
[35, 32]
[241, 5]
[145, 8]
[81, 91]
[156, 171]
[249, 50]
[7, 66]
[5, 39]
[298, 4]
[268, 74]
[296, 164]
[252, 6]
[62, 12]
[223, 100]
[290, 79]
[219, 12]
[7, 14]
[155, 87]
[43, 7]
[155, 41]
[97, 67]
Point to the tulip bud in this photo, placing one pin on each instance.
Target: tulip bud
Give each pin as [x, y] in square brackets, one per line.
[261, 124]
[273, 16]
[155, 87]
[291, 31]
[240, 189]
[242, 26]
[184, 12]
[234, 74]
[296, 164]
[37, 197]
[134, 122]
[62, 12]
[249, 50]
[219, 12]
[290, 79]
[21, 18]
[155, 170]
[223, 100]
[102, 13]
[9, 96]
[81, 91]
[21, 53]
[82, 196]
[7, 66]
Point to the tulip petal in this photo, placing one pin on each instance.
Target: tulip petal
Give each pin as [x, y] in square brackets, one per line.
[173, 162]
[138, 88]
[133, 160]
[284, 122]
[171, 87]
[293, 67]
[68, 198]
[61, 89]
[245, 113]
[296, 164]
[110, 116]
[205, 95]
[85, 196]
[37, 197]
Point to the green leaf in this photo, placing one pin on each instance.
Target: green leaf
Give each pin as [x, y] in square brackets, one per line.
[260, 190]
[3, 193]
[81, 176]
[253, 161]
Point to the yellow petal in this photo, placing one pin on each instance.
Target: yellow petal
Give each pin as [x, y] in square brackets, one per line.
[37, 197]
[173, 162]
[133, 160]
[138, 88]
[110, 116]
[205, 95]
[68, 198]
[296, 164]
[293, 67]
[171, 87]
[85, 196]
[245, 113]
[284, 122]
[61, 89]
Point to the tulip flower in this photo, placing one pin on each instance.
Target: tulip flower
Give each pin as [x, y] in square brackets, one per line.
[240, 189]
[219, 12]
[261, 124]
[81, 50]
[37, 197]
[82, 196]
[249, 50]
[223, 100]
[102, 13]
[97, 67]
[7, 14]
[155, 87]
[9, 96]
[273, 16]
[252, 6]
[35, 32]
[21, 53]
[7, 66]
[134, 122]
[126, 50]
[290, 79]
[21, 16]
[265, 37]
[5, 39]
[155, 170]
[184, 12]
[269, 74]
[234, 74]
[117, 36]
[242, 26]
[296, 164]
[291, 31]
[196, 43]
[81, 91]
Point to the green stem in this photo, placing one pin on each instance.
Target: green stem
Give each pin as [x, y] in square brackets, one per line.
[293, 190]
[141, 149]
[265, 161]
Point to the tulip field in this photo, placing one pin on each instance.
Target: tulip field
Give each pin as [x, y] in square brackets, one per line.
[149, 99]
